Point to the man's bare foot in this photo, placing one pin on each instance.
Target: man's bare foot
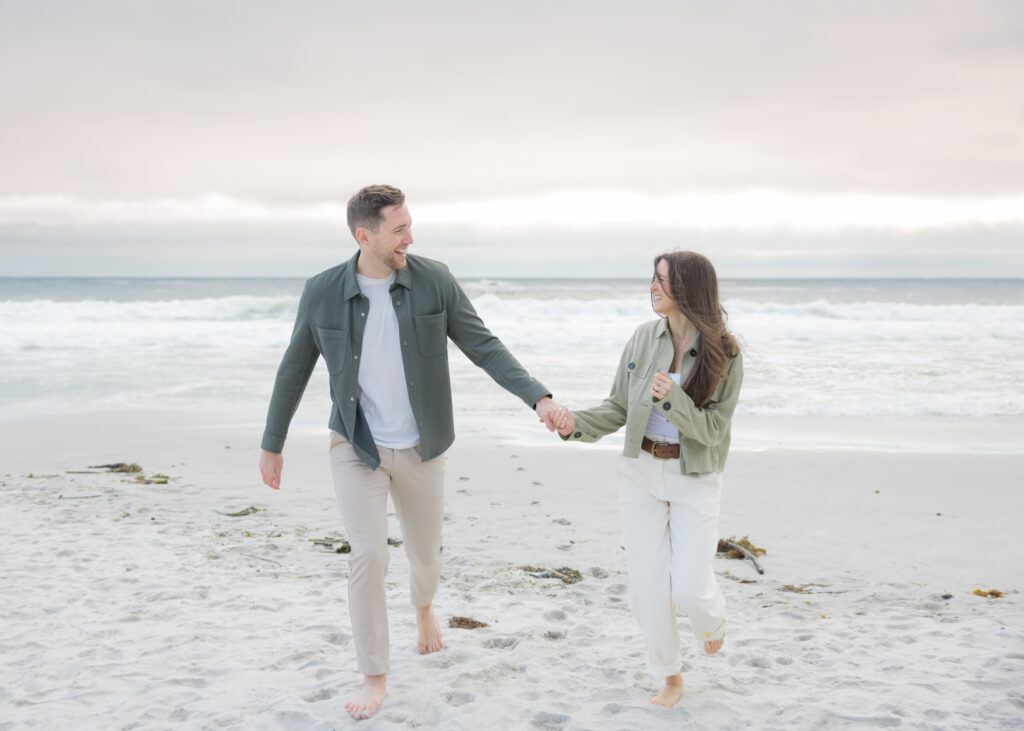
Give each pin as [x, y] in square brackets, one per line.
[671, 693]
[428, 631]
[368, 699]
[713, 646]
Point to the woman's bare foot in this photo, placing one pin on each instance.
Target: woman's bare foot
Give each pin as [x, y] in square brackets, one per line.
[428, 631]
[368, 699]
[671, 693]
[713, 646]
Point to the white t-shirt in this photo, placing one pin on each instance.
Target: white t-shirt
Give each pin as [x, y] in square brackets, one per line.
[658, 424]
[383, 393]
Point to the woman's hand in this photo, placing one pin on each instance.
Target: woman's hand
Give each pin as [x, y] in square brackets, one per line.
[662, 384]
[563, 421]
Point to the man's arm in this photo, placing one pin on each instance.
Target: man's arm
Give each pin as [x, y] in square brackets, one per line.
[485, 350]
[292, 376]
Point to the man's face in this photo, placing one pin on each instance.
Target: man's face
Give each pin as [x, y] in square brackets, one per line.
[394, 234]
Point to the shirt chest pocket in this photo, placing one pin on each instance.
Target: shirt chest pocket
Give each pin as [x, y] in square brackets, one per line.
[640, 376]
[432, 334]
[334, 347]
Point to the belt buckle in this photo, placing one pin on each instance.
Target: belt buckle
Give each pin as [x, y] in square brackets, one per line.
[654, 449]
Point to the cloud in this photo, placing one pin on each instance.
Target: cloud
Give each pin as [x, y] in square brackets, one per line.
[455, 100]
[582, 210]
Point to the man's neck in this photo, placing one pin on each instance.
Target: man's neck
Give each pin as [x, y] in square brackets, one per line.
[370, 266]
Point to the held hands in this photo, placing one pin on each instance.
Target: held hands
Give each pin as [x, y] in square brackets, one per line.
[562, 420]
[271, 465]
[662, 384]
[555, 416]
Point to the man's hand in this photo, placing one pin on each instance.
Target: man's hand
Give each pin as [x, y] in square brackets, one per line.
[271, 465]
[544, 407]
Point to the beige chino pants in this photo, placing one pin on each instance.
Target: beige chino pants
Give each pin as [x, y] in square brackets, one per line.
[417, 491]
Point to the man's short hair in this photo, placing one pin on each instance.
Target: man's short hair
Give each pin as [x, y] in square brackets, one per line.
[365, 206]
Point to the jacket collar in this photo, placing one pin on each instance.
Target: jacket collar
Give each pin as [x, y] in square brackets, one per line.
[350, 287]
[403, 277]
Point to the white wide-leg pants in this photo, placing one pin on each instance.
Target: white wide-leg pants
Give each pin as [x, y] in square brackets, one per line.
[670, 525]
[417, 490]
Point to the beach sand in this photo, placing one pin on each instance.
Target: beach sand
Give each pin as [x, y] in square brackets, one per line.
[129, 605]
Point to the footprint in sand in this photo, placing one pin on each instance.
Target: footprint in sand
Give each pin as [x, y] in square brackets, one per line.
[550, 720]
[324, 694]
[337, 638]
[555, 615]
[500, 643]
[458, 698]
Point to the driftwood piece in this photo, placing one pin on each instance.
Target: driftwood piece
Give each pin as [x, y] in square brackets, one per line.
[724, 545]
[258, 558]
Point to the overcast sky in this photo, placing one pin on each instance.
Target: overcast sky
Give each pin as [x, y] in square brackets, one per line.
[532, 138]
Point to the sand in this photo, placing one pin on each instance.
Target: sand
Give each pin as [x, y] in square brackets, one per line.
[129, 605]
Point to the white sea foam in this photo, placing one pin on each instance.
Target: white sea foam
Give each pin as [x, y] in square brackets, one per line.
[815, 355]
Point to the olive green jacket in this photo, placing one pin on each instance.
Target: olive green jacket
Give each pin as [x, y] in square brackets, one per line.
[431, 307]
[704, 432]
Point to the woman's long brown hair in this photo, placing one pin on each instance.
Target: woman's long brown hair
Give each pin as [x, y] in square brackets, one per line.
[694, 286]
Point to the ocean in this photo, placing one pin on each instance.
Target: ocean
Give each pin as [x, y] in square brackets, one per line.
[854, 348]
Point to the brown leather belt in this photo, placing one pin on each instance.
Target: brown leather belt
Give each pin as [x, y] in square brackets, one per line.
[660, 450]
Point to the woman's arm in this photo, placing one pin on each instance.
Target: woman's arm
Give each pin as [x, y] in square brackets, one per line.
[610, 415]
[707, 424]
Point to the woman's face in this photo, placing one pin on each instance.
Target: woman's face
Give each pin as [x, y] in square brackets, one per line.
[661, 300]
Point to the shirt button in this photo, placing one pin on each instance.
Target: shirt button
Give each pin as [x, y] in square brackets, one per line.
[356, 357]
[351, 398]
[578, 434]
[362, 314]
[405, 342]
[693, 352]
[632, 366]
[666, 406]
[399, 302]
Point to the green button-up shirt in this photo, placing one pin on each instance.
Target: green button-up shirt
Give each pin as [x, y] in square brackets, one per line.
[431, 307]
[704, 432]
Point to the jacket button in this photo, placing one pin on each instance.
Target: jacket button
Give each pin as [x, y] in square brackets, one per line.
[578, 434]
[632, 366]
[666, 406]
[693, 352]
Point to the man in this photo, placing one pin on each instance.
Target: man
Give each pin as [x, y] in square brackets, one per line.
[381, 322]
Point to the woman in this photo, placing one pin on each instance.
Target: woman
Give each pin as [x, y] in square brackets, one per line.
[675, 391]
